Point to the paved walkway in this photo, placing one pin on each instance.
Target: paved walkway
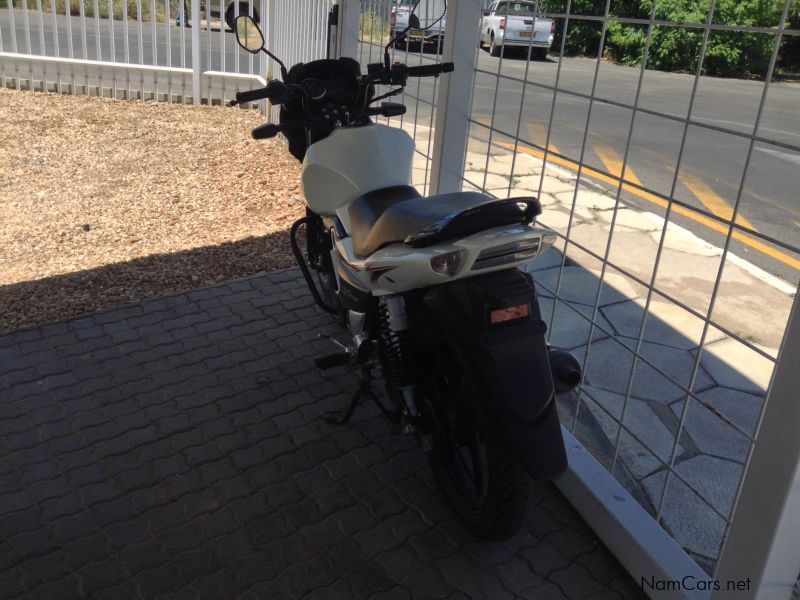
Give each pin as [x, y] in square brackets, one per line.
[171, 449]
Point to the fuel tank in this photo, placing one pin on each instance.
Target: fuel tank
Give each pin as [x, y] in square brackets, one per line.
[352, 161]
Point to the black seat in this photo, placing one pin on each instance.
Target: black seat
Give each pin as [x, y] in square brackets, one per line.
[399, 214]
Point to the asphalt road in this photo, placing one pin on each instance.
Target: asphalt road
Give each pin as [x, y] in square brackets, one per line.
[713, 161]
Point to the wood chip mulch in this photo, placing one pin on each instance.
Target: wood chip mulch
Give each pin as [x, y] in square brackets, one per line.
[108, 202]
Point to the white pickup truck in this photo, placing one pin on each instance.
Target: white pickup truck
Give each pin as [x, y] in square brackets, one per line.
[516, 24]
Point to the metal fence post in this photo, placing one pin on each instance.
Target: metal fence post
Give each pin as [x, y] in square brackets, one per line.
[196, 58]
[455, 96]
[347, 32]
[764, 539]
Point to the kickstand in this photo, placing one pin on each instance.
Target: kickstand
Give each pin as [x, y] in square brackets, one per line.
[364, 390]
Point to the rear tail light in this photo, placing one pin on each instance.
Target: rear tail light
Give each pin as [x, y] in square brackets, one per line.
[502, 23]
[510, 313]
[392, 18]
[553, 27]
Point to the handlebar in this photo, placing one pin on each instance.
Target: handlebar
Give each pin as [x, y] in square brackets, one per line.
[274, 89]
[431, 70]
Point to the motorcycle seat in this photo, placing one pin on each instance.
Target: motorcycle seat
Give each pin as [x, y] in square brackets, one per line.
[399, 214]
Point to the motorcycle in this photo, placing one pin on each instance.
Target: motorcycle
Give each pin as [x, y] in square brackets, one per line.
[430, 288]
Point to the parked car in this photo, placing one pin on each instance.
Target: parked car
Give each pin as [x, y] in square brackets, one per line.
[516, 24]
[424, 31]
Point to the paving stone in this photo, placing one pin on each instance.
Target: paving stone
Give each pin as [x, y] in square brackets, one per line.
[610, 364]
[555, 217]
[632, 219]
[580, 285]
[653, 443]
[570, 325]
[170, 471]
[739, 407]
[552, 185]
[712, 434]
[666, 324]
[715, 479]
[692, 523]
[734, 365]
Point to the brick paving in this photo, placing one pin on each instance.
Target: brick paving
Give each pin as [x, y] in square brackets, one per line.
[171, 450]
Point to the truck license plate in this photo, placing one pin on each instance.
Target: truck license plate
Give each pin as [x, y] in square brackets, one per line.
[525, 34]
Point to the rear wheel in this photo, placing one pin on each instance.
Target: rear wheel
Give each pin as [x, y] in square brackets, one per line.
[539, 53]
[479, 476]
[494, 49]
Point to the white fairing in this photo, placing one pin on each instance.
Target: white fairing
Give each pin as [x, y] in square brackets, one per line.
[352, 161]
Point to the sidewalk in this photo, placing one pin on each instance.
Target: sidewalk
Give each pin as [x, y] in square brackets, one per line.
[171, 450]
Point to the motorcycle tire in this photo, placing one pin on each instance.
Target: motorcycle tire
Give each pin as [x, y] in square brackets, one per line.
[481, 480]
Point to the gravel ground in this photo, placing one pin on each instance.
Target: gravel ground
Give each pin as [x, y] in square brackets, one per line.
[106, 202]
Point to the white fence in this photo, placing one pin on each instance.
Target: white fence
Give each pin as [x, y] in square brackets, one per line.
[158, 49]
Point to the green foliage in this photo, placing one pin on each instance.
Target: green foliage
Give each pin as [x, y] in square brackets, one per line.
[677, 48]
[373, 28]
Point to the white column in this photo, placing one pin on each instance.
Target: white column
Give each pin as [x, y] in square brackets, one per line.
[455, 95]
[347, 32]
[196, 58]
[764, 540]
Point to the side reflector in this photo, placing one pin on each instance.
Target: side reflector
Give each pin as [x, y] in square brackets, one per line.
[501, 315]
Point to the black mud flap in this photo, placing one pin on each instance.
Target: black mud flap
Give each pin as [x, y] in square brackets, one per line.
[513, 360]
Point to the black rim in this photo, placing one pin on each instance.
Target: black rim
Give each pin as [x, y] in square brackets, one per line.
[460, 447]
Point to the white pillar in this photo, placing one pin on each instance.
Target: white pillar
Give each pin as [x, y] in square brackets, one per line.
[347, 31]
[455, 95]
[196, 58]
[764, 540]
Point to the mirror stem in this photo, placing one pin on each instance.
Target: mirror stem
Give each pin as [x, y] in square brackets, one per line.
[284, 72]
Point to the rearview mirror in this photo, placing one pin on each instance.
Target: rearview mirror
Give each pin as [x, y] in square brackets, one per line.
[486, 13]
[248, 34]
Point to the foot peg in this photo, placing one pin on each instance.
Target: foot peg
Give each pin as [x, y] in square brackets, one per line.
[332, 360]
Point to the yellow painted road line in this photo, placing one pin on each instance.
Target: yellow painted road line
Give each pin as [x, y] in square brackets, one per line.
[797, 223]
[613, 163]
[711, 200]
[537, 130]
[657, 200]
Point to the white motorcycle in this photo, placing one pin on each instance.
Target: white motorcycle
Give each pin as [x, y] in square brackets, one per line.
[429, 287]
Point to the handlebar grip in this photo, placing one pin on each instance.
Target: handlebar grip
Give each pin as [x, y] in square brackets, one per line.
[266, 131]
[274, 89]
[430, 70]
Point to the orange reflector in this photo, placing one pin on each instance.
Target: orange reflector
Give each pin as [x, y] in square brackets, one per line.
[508, 314]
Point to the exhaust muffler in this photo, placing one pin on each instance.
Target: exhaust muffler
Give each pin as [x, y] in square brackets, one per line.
[565, 368]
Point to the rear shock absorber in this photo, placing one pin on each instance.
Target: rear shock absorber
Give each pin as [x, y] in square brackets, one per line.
[395, 346]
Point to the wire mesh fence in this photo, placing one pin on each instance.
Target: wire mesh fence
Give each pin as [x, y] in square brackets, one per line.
[651, 278]
[670, 184]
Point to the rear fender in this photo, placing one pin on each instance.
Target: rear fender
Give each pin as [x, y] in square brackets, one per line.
[512, 359]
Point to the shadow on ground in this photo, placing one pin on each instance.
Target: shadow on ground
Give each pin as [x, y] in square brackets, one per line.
[31, 303]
